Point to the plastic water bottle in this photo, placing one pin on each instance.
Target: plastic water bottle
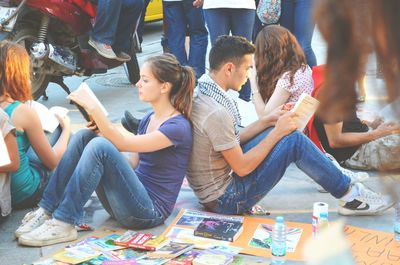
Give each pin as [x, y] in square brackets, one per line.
[397, 222]
[323, 221]
[278, 247]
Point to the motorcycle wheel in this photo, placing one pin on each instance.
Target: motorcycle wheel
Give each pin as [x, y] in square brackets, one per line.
[25, 35]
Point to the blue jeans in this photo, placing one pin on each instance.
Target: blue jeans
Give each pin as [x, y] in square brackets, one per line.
[115, 22]
[244, 192]
[296, 17]
[181, 18]
[240, 22]
[91, 163]
[44, 172]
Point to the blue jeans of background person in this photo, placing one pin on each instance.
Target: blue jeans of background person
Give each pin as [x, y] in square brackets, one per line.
[181, 18]
[140, 29]
[44, 172]
[240, 22]
[92, 162]
[116, 21]
[244, 192]
[296, 17]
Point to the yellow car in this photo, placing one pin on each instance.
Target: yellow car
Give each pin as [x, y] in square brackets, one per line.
[154, 11]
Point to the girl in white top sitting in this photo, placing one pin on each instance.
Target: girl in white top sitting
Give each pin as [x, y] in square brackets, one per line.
[281, 73]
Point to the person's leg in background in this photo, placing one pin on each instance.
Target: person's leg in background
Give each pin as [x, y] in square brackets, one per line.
[304, 28]
[176, 29]
[287, 15]
[106, 25]
[198, 37]
[242, 21]
[257, 25]
[140, 29]
[128, 20]
[217, 21]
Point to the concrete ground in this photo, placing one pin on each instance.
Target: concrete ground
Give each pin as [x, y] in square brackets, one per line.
[293, 197]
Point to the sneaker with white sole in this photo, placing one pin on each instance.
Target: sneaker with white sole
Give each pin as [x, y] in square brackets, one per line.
[354, 176]
[367, 202]
[49, 233]
[104, 50]
[31, 221]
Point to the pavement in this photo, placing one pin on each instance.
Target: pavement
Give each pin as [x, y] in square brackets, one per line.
[292, 198]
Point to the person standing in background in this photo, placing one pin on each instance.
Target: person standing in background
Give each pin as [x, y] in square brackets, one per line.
[231, 16]
[181, 17]
[296, 17]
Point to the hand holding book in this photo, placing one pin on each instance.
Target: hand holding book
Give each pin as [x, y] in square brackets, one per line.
[86, 101]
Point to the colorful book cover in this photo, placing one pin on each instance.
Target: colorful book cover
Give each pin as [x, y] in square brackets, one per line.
[171, 250]
[214, 257]
[155, 243]
[125, 238]
[83, 242]
[77, 254]
[139, 240]
[262, 237]
[106, 243]
[193, 218]
[120, 262]
[49, 262]
[186, 235]
[219, 229]
[184, 259]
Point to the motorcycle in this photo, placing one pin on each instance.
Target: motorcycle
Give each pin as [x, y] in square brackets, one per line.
[55, 34]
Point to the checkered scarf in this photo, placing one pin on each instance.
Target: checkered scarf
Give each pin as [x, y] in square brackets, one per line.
[208, 87]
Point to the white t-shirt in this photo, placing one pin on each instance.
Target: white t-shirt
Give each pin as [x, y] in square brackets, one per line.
[245, 4]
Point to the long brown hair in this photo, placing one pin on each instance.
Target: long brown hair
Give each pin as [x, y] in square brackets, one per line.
[277, 52]
[14, 72]
[166, 68]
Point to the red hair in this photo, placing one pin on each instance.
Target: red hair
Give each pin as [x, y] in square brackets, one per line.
[15, 72]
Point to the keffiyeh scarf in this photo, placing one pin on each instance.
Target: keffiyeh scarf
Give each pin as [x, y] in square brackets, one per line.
[208, 87]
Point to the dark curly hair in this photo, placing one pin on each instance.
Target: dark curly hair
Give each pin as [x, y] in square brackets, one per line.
[277, 52]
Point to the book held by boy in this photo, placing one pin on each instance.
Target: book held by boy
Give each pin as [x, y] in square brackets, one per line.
[219, 229]
[305, 108]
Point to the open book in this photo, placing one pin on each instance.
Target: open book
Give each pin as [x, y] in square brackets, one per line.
[47, 116]
[84, 86]
[305, 108]
[4, 156]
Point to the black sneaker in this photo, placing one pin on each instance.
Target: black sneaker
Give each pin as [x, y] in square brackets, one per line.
[130, 123]
[367, 202]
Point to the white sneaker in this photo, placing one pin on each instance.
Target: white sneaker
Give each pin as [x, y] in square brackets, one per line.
[367, 202]
[31, 221]
[354, 176]
[49, 233]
